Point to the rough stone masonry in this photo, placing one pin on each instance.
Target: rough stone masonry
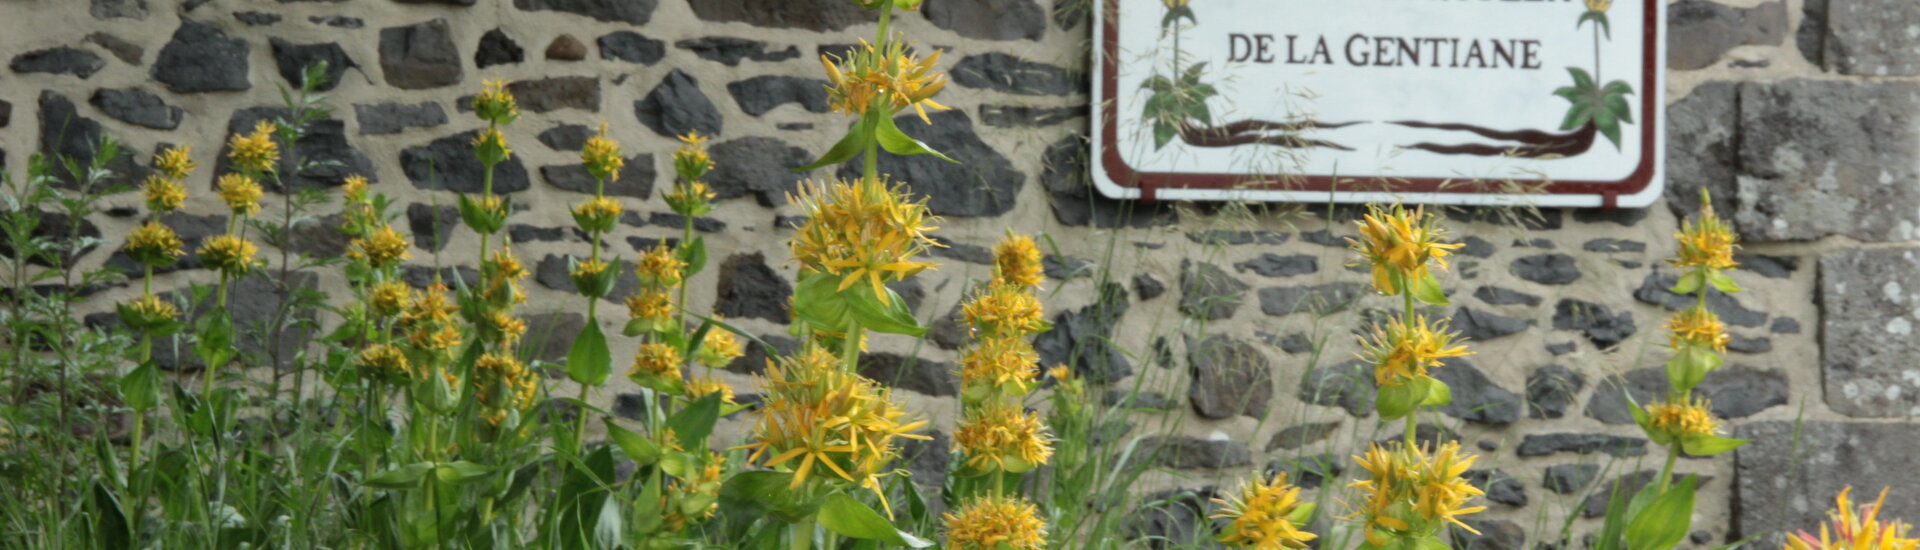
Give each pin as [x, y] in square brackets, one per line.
[1799, 115]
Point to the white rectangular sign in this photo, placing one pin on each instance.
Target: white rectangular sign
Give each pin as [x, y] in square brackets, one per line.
[1546, 102]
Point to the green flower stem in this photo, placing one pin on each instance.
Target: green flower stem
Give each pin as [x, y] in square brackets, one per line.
[593, 308]
[1666, 473]
[680, 302]
[1413, 416]
[800, 534]
[850, 347]
[486, 192]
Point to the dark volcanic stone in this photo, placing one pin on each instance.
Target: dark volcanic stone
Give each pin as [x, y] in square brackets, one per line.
[1613, 245]
[555, 271]
[1029, 116]
[757, 166]
[325, 142]
[136, 106]
[292, 61]
[550, 94]
[1082, 339]
[989, 19]
[1654, 290]
[1010, 74]
[1348, 385]
[1550, 443]
[496, 48]
[451, 164]
[986, 184]
[1493, 535]
[253, 302]
[1319, 299]
[118, 9]
[1481, 325]
[635, 178]
[1568, 479]
[1275, 265]
[814, 15]
[61, 60]
[1712, 29]
[631, 47]
[1308, 472]
[392, 118]
[317, 237]
[677, 106]
[1075, 201]
[1208, 292]
[432, 226]
[748, 288]
[419, 56]
[754, 359]
[906, 372]
[758, 95]
[1523, 217]
[1736, 391]
[64, 133]
[1189, 453]
[1230, 377]
[128, 52]
[730, 51]
[566, 137]
[1771, 267]
[1148, 286]
[201, 58]
[1551, 390]
[339, 21]
[1475, 397]
[1499, 487]
[1547, 269]
[1295, 437]
[1499, 296]
[1598, 323]
[633, 12]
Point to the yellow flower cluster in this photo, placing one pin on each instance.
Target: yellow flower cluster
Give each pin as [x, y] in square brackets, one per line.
[891, 76]
[1699, 328]
[719, 348]
[1399, 244]
[493, 144]
[388, 297]
[428, 321]
[230, 255]
[387, 362]
[164, 195]
[819, 417]
[1682, 419]
[241, 193]
[1860, 529]
[501, 275]
[255, 152]
[1261, 516]
[154, 243]
[660, 267]
[355, 189]
[176, 162]
[151, 309]
[495, 104]
[598, 214]
[996, 523]
[862, 230]
[502, 384]
[382, 249]
[691, 161]
[702, 494]
[500, 324]
[709, 385]
[1402, 353]
[1001, 437]
[656, 364]
[1005, 310]
[654, 307]
[1706, 242]
[1411, 493]
[1007, 365]
[601, 156]
[1016, 261]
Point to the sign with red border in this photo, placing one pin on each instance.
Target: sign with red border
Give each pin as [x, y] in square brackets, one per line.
[1542, 102]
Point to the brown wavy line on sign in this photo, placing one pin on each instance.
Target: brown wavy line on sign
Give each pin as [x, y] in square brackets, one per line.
[1534, 143]
[1251, 132]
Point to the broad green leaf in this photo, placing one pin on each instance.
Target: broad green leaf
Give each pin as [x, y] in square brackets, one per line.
[140, 388]
[1581, 79]
[638, 448]
[892, 317]
[1427, 289]
[848, 516]
[589, 361]
[1664, 521]
[1709, 445]
[401, 478]
[1617, 104]
[1723, 282]
[1393, 402]
[693, 423]
[1618, 87]
[1162, 133]
[818, 301]
[1689, 283]
[1608, 124]
[899, 143]
[1577, 115]
[461, 472]
[694, 253]
[1437, 393]
[848, 147]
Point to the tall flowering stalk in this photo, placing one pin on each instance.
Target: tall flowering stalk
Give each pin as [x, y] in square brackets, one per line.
[253, 156]
[152, 245]
[996, 435]
[1412, 490]
[594, 278]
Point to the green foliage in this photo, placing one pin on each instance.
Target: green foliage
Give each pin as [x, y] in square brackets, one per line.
[1605, 107]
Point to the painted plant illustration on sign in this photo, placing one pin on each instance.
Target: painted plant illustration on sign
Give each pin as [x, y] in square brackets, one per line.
[1594, 108]
[1177, 104]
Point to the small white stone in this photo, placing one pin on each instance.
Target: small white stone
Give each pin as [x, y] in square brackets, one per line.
[1892, 290]
[1900, 326]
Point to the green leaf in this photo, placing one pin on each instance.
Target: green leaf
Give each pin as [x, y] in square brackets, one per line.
[693, 423]
[848, 516]
[1609, 125]
[1577, 115]
[111, 528]
[1393, 402]
[1664, 521]
[818, 301]
[402, 477]
[638, 448]
[589, 361]
[214, 335]
[848, 147]
[1302, 514]
[1437, 393]
[1192, 76]
[899, 143]
[1709, 445]
[1689, 283]
[1158, 84]
[1427, 289]
[1617, 105]
[1581, 79]
[461, 472]
[694, 253]
[140, 388]
[1723, 282]
[892, 317]
[1567, 92]
[1162, 133]
[1618, 87]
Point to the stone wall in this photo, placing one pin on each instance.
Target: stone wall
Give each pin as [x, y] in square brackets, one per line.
[1798, 114]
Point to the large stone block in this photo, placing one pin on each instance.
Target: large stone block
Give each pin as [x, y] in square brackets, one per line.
[1711, 29]
[1821, 158]
[1786, 478]
[1869, 300]
[1873, 37]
